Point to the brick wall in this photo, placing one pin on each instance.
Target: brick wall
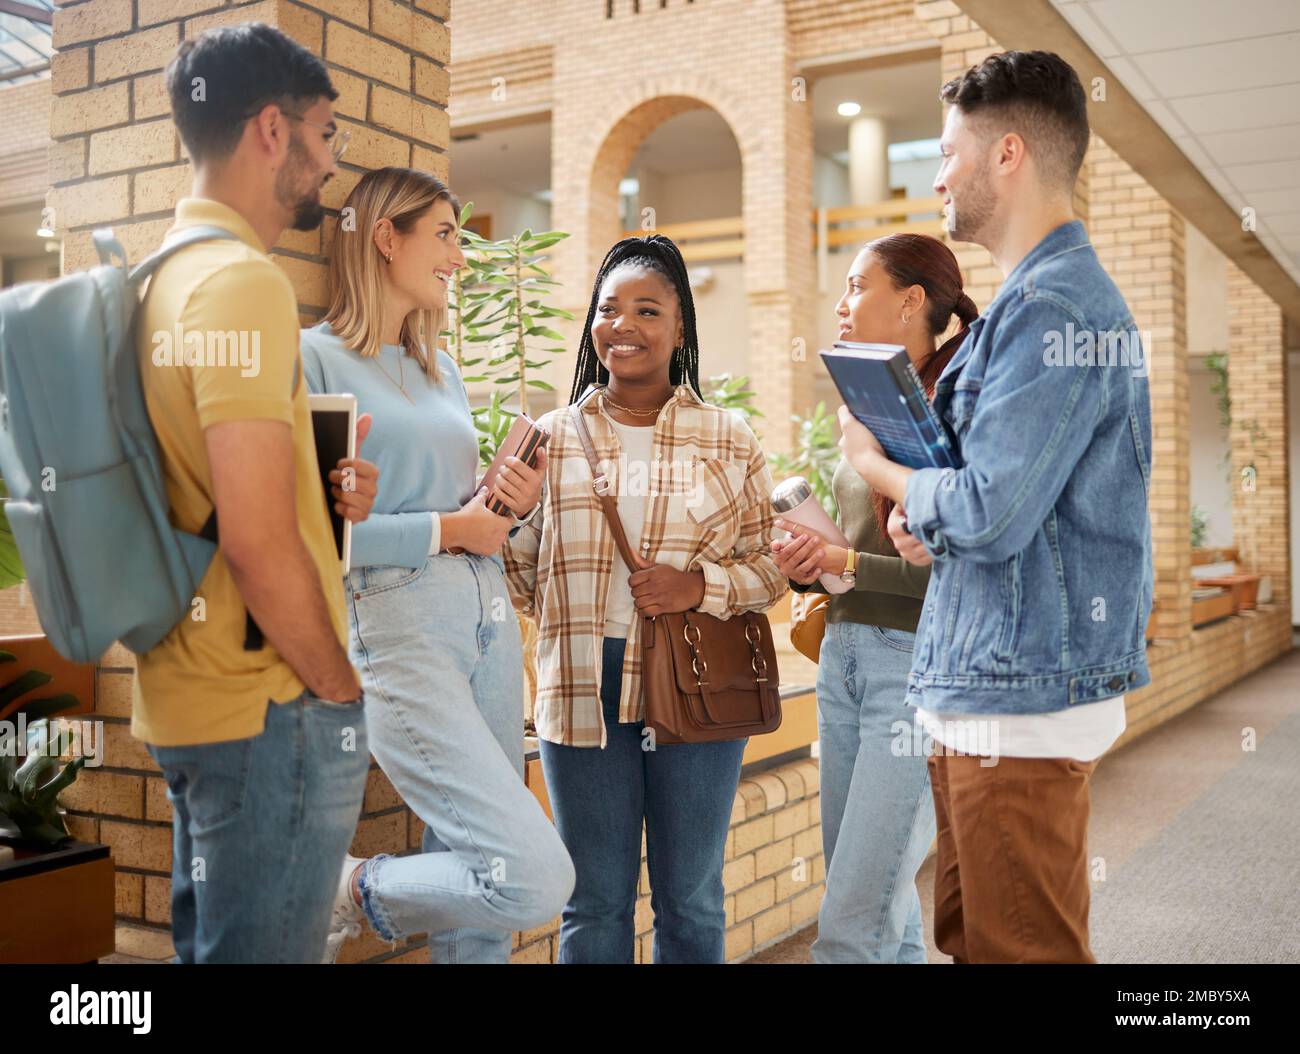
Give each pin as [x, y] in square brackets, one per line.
[1257, 383]
[820, 28]
[116, 159]
[24, 141]
[17, 612]
[1140, 241]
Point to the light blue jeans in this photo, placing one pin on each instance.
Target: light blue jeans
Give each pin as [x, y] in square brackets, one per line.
[439, 654]
[260, 827]
[877, 810]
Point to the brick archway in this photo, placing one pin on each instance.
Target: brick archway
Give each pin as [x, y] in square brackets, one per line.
[627, 121]
[774, 136]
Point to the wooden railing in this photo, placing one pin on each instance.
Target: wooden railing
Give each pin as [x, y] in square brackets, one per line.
[724, 239]
[701, 240]
[859, 224]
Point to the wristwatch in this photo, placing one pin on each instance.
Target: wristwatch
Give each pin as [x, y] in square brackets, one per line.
[850, 573]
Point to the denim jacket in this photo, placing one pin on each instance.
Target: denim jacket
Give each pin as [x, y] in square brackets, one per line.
[1042, 579]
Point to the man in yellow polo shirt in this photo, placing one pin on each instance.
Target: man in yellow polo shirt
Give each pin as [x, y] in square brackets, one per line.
[262, 741]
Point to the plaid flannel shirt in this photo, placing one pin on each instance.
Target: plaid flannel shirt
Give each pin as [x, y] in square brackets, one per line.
[709, 507]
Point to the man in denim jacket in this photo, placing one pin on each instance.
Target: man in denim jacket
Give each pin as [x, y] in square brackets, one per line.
[1033, 625]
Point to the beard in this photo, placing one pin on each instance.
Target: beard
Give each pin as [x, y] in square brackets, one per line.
[307, 210]
[968, 221]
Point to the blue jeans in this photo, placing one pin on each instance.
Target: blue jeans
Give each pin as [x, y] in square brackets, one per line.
[684, 793]
[877, 810]
[440, 658]
[259, 830]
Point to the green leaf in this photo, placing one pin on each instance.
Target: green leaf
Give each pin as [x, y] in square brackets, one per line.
[540, 384]
[11, 562]
[544, 331]
[21, 685]
[39, 709]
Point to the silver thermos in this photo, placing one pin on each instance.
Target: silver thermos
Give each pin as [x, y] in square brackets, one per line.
[793, 499]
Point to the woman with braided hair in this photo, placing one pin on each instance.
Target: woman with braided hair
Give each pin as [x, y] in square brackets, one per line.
[877, 813]
[693, 492]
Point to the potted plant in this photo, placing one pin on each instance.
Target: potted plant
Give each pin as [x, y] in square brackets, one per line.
[56, 894]
[497, 314]
[1245, 586]
[815, 456]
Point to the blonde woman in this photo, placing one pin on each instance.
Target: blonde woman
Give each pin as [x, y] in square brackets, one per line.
[432, 629]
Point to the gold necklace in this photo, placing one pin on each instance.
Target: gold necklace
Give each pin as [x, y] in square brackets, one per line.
[401, 372]
[628, 410]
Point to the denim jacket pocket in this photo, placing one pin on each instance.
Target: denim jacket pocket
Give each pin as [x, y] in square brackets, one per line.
[1005, 649]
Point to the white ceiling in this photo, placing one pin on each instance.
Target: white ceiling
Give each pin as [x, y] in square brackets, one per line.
[1221, 77]
[517, 158]
[906, 96]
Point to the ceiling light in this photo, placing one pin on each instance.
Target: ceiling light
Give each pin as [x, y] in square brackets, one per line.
[848, 109]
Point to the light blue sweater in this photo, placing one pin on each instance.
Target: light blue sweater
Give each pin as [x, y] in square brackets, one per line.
[426, 449]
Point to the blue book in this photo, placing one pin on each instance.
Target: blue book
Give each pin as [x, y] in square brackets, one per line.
[881, 388]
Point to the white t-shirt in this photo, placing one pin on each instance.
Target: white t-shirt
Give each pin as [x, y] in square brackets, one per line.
[1083, 732]
[634, 474]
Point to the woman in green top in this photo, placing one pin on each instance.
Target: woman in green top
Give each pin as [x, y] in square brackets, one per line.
[877, 811]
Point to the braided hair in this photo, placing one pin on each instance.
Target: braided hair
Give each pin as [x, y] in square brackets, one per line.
[656, 253]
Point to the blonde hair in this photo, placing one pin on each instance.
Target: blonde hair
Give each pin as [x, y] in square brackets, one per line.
[356, 306]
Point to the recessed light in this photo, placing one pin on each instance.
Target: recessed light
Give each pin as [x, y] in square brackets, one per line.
[848, 109]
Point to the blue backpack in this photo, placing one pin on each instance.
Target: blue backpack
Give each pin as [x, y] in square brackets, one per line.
[79, 457]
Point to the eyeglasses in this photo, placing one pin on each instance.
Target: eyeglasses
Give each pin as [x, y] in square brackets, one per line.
[337, 141]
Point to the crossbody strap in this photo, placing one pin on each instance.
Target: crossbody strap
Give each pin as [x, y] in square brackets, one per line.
[600, 484]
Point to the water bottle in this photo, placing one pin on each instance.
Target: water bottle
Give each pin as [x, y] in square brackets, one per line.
[793, 500]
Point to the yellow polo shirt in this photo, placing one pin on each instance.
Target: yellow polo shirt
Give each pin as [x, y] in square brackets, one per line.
[217, 338]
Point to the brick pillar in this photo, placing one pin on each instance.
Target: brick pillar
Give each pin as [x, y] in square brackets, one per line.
[780, 265]
[115, 160]
[1139, 240]
[1257, 383]
[962, 44]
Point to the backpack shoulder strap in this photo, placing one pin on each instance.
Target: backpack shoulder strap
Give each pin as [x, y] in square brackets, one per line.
[188, 236]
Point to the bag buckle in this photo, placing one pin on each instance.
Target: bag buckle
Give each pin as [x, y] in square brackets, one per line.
[600, 484]
[755, 637]
[699, 665]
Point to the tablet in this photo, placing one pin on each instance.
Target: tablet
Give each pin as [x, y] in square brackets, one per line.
[334, 423]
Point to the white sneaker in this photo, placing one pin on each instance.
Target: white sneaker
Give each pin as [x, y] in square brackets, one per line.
[347, 917]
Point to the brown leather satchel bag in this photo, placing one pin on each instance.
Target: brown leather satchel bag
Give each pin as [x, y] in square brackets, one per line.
[703, 678]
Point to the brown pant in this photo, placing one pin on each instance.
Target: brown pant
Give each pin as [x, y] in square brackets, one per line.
[1011, 871]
